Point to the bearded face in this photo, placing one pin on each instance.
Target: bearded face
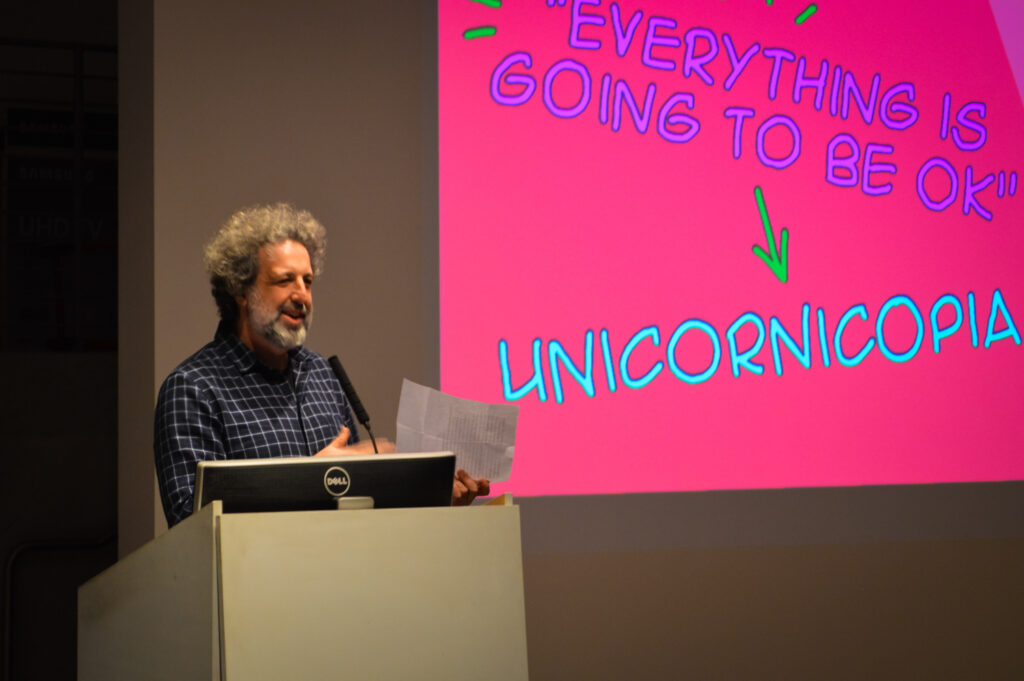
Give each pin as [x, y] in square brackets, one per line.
[284, 326]
[276, 310]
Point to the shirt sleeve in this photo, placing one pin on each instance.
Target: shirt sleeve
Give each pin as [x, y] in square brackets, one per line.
[187, 430]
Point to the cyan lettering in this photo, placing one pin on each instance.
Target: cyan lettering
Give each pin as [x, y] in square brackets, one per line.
[649, 332]
[906, 302]
[776, 331]
[716, 354]
[940, 332]
[999, 309]
[855, 311]
[738, 358]
[535, 383]
[556, 354]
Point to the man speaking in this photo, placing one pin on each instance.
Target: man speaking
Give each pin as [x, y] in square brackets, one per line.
[255, 391]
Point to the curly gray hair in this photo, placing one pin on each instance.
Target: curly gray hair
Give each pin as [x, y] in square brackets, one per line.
[232, 257]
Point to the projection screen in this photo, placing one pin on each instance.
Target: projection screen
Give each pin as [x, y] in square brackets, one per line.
[725, 244]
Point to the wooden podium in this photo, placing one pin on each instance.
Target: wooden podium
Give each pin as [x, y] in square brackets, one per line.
[429, 593]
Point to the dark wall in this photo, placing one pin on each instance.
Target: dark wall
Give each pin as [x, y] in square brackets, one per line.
[58, 301]
[58, 501]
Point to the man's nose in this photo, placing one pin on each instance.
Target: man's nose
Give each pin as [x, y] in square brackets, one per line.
[302, 293]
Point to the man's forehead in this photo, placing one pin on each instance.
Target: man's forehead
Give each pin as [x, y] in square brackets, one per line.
[287, 255]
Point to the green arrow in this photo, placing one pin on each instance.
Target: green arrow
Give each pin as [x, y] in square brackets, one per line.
[777, 260]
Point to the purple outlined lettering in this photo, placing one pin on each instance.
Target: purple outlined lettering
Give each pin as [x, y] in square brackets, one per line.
[976, 126]
[606, 85]
[866, 107]
[737, 64]
[653, 38]
[739, 113]
[794, 152]
[667, 118]
[499, 77]
[549, 79]
[624, 94]
[580, 19]
[818, 82]
[624, 37]
[971, 188]
[954, 184]
[693, 62]
[777, 55]
[872, 168]
[834, 163]
[888, 107]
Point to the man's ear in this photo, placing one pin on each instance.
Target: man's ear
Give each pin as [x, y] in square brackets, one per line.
[241, 302]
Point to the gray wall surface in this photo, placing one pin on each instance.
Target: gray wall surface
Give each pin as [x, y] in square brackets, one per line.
[330, 105]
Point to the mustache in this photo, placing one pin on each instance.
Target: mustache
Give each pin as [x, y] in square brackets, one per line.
[294, 308]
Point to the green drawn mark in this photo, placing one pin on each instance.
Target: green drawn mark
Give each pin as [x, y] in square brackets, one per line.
[806, 14]
[482, 31]
[801, 18]
[777, 260]
[479, 32]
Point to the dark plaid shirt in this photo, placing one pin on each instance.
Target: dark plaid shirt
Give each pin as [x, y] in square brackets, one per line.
[223, 403]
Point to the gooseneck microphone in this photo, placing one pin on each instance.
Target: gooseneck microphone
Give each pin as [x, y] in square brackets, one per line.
[357, 405]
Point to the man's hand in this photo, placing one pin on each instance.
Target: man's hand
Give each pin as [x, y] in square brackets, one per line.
[340, 446]
[466, 488]
[336, 448]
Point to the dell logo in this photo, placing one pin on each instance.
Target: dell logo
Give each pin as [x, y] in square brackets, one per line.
[336, 481]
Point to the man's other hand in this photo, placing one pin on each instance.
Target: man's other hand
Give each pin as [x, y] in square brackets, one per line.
[336, 448]
[466, 488]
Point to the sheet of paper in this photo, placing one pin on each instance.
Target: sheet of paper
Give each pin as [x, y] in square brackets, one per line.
[482, 435]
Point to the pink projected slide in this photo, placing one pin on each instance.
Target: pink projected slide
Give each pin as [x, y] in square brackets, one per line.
[722, 244]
